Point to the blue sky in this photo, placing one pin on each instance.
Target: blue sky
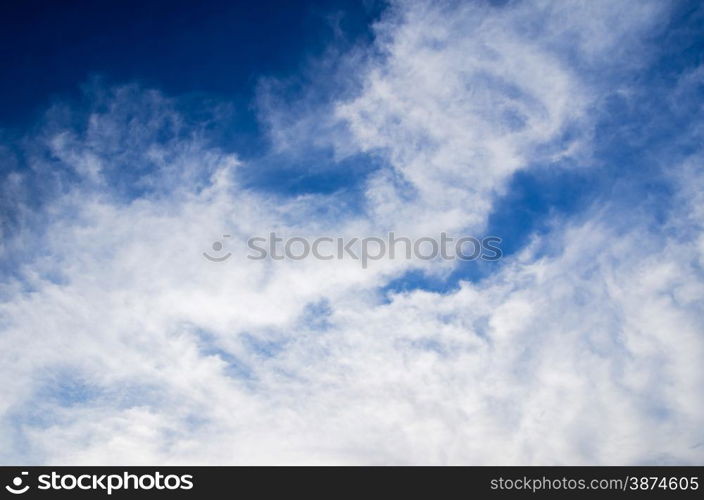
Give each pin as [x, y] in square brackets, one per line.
[218, 49]
[133, 136]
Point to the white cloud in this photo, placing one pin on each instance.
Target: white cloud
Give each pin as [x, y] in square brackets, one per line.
[121, 344]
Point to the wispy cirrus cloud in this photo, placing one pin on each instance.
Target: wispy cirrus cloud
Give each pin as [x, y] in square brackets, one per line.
[121, 344]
